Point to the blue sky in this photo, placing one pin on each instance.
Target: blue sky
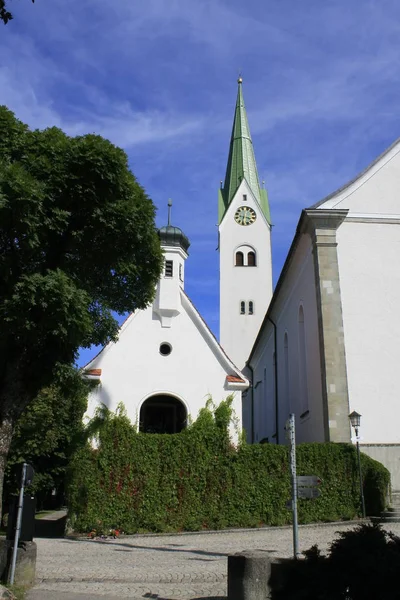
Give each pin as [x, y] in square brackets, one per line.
[158, 77]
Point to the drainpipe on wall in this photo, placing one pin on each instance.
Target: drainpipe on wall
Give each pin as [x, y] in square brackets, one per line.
[252, 403]
[276, 381]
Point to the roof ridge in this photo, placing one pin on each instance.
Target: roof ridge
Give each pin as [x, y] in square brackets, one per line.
[235, 368]
[358, 176]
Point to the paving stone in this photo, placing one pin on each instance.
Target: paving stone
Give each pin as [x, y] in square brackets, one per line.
[170, 567]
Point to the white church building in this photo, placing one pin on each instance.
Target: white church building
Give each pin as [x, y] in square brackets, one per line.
[166, 362]
[330, 340]
[325, 342]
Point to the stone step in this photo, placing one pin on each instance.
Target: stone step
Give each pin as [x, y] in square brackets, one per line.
[390, 514]
[390, 519]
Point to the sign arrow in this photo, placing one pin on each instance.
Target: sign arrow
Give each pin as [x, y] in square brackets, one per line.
[308, 480]
[308, 492]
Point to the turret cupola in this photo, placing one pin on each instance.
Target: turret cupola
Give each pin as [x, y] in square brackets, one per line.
[175, 244]
[173, 236]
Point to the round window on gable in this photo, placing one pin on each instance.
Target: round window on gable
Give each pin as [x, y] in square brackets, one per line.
[165, 349]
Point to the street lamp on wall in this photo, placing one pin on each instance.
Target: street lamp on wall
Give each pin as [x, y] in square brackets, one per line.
[355, 420]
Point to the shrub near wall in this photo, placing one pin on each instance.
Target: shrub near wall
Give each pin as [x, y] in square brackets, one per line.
[196, 479]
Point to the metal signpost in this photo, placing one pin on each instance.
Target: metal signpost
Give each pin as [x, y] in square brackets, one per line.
[303, 486]
[26, 479]
[290, 428]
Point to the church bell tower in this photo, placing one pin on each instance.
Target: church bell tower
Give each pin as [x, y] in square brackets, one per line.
[244, 244]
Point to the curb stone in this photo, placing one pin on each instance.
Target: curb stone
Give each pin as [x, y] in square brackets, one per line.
[222, 531]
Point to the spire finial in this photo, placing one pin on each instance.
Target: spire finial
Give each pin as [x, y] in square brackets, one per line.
[240, 79]
[169, 210]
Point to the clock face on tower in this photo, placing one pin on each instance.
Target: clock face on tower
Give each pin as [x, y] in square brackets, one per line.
[245, 215]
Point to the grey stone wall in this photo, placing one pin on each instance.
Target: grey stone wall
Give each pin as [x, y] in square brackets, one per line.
[26, 562]
[322, 226]
[389, 456]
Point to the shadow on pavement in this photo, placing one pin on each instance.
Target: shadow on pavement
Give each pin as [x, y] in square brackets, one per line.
[156, 548]
[157, 597]
[130, 547]
[47, 595]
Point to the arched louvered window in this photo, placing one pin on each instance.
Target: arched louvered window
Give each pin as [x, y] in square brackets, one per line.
[286, 367]
[251, 259]
[303, 384]
[242, 307]
[239, 259]
[251, 307]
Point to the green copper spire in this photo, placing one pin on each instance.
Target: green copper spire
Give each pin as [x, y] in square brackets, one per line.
[241, 162]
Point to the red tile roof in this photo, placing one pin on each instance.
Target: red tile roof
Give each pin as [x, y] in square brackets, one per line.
[234, 379]
[94, 372]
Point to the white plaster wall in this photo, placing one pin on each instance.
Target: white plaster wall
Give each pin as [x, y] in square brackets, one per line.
[246, 414]
[247, 404]
[369, 271]
[133, 368]
[238, 332]
[375, 191]
[298, 289]
[263, 380]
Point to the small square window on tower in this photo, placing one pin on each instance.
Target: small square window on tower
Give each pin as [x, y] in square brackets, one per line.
[169, 268]
[244, 197]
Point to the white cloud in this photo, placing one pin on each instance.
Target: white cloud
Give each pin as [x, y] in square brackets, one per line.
[158, 78]
[27, 90]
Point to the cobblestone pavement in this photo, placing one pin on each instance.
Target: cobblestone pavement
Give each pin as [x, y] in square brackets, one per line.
[180, 567]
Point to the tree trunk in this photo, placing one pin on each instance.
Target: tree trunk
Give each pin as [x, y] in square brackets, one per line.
[6, 430]
[14, 397]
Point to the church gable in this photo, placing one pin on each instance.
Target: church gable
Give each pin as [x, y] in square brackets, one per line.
[141, 337]
[244, 196]
[375, 191]
[183, 361]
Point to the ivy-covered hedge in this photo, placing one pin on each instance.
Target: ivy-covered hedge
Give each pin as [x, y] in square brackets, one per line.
[197, 480]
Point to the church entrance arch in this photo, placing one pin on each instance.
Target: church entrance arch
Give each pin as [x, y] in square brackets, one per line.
[162, 414]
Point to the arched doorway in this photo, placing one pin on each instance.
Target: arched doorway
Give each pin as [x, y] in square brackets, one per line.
[162, 414]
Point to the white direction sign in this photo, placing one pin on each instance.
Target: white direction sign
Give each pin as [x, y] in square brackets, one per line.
[308, 492]
[308, 480]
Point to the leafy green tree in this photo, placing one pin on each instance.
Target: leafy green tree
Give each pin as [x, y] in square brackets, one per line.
[77, 241]
[47, 434]
[5, 14]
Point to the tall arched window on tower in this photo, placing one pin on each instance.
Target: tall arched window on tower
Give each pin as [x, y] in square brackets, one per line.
[242, 307]
[303, 384]
[239, 261]
[251, 259]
